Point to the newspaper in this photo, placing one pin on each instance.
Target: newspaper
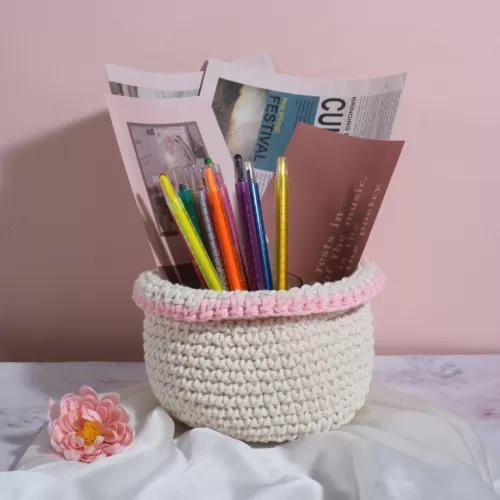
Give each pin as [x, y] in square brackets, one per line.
[257, 110]
[135, 83]
[343, 188]
[155, 136]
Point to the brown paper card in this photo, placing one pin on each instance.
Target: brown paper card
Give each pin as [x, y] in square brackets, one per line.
[336, 187]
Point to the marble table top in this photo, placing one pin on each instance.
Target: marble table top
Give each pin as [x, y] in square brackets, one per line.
[467, 385]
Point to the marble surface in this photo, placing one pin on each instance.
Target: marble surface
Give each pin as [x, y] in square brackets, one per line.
[467, 385]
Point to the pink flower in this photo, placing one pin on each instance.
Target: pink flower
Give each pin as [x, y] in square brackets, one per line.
[84, 428]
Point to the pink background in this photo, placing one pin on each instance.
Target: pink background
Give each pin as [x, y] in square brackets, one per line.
[71, 241]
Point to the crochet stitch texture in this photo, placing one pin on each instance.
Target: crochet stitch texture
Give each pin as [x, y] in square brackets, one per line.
[278, 365]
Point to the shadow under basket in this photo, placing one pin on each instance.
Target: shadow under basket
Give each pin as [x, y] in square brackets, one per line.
[266, 366]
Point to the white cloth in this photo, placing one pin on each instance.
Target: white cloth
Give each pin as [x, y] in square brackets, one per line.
[397, 447]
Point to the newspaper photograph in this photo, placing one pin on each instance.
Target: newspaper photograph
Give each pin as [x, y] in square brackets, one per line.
[159, 149]
[154, 137]
[257, 110]
[135, 83]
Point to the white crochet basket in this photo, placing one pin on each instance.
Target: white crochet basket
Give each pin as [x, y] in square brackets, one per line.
[260, 366]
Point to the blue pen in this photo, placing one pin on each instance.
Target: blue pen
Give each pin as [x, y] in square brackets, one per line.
[253, 187]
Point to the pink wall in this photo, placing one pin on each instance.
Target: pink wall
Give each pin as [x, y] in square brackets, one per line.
[61, 178]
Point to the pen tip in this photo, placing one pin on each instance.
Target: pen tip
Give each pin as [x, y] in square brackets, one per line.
[208, 161]
[238, 164]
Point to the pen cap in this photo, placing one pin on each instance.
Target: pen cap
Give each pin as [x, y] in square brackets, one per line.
[210, 180]
[167, 188]
[239, 170]
[249, 171]
[219, 178]
[194, 175]
[179, 178]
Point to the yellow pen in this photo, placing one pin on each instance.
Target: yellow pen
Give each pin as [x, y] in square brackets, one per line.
[281, 225]
[190, 235]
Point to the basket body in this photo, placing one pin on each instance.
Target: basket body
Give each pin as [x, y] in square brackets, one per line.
[260, 366]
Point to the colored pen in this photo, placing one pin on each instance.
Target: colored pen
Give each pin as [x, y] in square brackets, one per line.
[197, 185]
[247, 222]
[186, 196]
[232, 266]
[187, 200]
[281, 273]
[191, 237]
[231, 220]
[197, 271]
[253, 188]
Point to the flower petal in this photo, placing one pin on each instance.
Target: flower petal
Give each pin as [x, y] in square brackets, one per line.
[69, 440]
[92, 457]
[99, 440]
[104, 414]
[54, 410]
[55, 445]
[74, 420]
[72, 441]
[76, 441]
[65, 422]
[56, 432]
[107, 403]
[65, 402]
[116, 415]
[72, 455]
[90, 401]
[85, 390]
[113, 397]
[109, 435]
[90, 414]
[129, 436]
[125, 417]
[113, 449]
[120, 428]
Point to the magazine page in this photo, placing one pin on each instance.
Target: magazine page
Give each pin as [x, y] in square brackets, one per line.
[154, 137]
[336, 186]
[135, 83]
[257, 110]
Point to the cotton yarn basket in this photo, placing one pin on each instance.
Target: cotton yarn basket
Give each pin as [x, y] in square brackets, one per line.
[261, 366]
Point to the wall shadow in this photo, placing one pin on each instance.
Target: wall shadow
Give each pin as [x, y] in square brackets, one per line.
[72, 246]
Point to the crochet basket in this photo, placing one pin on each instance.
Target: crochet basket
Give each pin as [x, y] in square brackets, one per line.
[261, 366]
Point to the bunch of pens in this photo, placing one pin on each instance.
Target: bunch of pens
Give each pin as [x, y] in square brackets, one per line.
[201, 207]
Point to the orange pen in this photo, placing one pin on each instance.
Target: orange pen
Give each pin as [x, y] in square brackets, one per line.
[232, 266]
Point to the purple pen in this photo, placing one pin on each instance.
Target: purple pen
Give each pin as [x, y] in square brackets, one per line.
[251, 248]
[219, 179]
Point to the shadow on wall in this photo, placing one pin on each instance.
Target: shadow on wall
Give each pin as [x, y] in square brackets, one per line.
[72, 244]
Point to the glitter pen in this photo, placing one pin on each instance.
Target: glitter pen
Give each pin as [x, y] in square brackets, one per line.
[247, 223]
[281, 193]
[197, 185]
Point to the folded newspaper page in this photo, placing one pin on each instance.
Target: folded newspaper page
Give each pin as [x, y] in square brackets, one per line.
[257, 110]
[336, 186]
[155, 136]
[135, 83]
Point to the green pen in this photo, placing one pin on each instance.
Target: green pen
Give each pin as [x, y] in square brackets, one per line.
[186, 196]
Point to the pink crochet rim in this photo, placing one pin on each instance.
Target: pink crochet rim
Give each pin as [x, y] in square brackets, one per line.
[160, 297]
